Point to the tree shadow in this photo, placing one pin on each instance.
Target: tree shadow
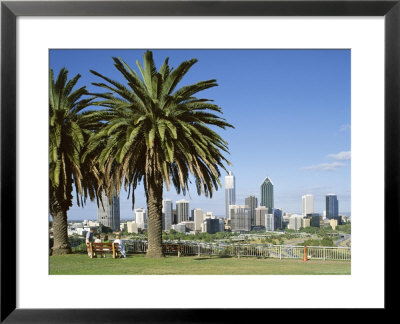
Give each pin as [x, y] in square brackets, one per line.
[213, 257]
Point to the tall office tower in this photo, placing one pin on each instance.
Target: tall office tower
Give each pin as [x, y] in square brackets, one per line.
[267, 193]
[182, 210]
[198, 216]
[166, 214]
[240, 218]
[141, 218]
[332, 206]
[252, 203]
[277, 218]
[260, 214]
[108, 212]
[230, 193]
[307, 204]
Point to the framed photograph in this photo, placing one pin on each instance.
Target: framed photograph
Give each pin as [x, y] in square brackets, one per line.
[311, 88]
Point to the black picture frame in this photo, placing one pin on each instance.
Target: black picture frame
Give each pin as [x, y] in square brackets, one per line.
[10, 10]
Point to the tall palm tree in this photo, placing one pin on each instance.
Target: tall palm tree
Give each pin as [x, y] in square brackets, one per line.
[158, 135]
[70, 129]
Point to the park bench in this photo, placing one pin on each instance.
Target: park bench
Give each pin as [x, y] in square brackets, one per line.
[102, 248]
[172, 248]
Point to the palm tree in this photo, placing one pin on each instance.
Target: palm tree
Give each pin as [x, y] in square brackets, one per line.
[70, 129]
[159, 135]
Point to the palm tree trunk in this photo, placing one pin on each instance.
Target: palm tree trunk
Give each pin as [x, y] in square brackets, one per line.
[154, 226]
[60, 231]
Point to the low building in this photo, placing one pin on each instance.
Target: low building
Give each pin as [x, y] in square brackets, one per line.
[221, 225]
[132, 227]
[269, 222]
[305, 222]
[211, 225]
[278, 214]
[295, 222]
[181, 228]
[240, 218]
[122, 227]
[285, 221]
[259, 216]
[80, 229]
[333, 223]
[210, 214]
[316, 220]
[190, 226]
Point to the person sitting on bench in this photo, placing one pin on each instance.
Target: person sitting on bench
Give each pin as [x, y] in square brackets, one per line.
[121, 245]
[98, 240]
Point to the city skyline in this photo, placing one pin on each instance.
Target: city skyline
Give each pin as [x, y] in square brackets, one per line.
[183, 210]
[290, 109]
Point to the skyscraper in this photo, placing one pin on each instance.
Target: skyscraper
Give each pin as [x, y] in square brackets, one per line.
[230, 193]
[252, 203]
[182, 210]
[307, 204]
[108, 213]
[166, 214]
[198, 218]
[332, 206]
[141, 218]
[267, 193]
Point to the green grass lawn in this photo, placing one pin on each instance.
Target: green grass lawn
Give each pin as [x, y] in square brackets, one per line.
[80, 264]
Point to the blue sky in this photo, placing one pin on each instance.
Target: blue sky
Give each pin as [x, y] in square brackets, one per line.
[291, 112]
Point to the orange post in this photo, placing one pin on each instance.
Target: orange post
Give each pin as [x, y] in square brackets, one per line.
[305, 254]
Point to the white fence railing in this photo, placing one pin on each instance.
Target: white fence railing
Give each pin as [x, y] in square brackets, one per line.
[250, 250]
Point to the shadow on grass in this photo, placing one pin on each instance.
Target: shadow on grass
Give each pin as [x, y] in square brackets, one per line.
[213, 257]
